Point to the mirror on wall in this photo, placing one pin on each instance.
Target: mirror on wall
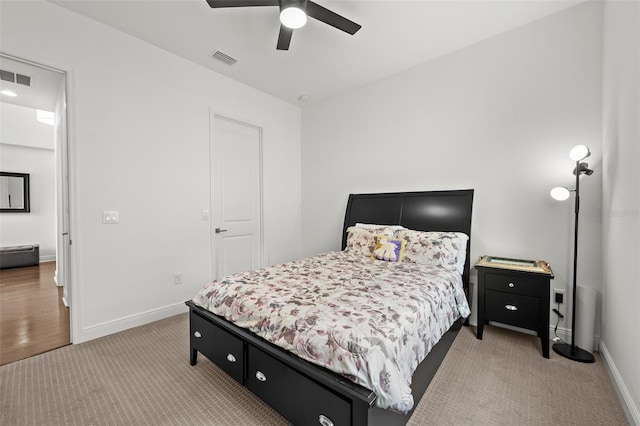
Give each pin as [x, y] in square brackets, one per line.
[14, 192]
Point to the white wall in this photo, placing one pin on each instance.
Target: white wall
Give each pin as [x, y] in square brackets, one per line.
[621, 199]
[138, 138]
[20, 127]
[499, 117]
[26, 146]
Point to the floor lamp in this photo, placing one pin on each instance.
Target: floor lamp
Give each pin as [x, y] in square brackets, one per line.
[577, 154]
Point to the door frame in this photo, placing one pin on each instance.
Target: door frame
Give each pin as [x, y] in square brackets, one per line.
[64, 168]
[213, 271]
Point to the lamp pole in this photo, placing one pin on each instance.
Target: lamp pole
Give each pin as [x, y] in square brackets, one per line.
[572, 351]
[575, 261]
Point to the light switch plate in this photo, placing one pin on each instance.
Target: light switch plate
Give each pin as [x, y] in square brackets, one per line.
[110, 217]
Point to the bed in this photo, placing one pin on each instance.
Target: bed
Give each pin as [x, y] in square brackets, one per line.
[298, 379]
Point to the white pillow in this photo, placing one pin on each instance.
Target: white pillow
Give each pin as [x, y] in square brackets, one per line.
[446, 249]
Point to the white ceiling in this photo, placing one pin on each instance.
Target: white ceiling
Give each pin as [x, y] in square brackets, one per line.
[322, 61]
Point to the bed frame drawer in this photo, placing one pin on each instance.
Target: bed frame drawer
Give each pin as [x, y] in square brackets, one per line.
[298, 398]
[222, 348]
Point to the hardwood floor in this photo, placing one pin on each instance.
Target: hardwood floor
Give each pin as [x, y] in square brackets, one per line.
[33, 318]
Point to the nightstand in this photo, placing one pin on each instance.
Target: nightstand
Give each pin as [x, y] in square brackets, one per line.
[514, 292]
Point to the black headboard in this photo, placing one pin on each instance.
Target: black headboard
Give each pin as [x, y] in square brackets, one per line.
[448, 211]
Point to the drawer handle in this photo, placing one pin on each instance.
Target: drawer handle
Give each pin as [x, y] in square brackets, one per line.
[260, 376]
[511, 285]
[511, 307]
[197, 334]
[231, 358]
[324, 420]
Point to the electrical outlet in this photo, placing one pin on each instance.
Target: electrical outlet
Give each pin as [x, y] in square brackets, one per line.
[558, 295]
[177, 278]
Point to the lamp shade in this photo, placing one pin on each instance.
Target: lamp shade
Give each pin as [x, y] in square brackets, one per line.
[293, 17]
[560, 193]
[579, 152]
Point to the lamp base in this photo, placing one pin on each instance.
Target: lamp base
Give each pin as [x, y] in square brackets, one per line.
[573, 353]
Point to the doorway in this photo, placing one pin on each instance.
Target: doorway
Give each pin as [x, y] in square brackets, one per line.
[34, 140]
[236, 196]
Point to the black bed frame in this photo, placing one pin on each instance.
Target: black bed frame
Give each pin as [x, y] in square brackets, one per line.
[307, 394]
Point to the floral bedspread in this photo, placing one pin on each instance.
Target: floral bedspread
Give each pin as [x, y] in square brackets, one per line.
[370, 320]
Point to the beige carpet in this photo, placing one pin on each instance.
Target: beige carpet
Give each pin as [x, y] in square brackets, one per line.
[143, 377]
[504, 380]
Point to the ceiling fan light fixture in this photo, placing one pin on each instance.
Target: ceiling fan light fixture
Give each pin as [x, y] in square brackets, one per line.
[293, 14]
[293, 17]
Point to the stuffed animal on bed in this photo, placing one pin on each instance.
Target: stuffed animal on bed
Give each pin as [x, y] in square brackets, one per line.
[389, 249]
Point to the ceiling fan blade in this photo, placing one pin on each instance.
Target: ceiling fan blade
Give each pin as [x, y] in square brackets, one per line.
[284, 38]
[241, 3]
[328, 17]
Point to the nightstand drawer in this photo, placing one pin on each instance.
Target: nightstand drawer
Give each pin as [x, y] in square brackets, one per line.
[513, 309]
[514, 283]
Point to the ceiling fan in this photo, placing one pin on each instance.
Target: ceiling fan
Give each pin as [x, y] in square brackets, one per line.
[293, 15]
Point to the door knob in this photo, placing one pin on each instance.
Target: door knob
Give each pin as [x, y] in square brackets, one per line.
[219, 231]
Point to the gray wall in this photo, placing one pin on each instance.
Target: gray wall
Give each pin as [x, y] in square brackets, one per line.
[620, 343]
[499, 117]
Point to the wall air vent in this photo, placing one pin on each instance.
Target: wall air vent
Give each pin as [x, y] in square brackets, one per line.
[224, 58]
[15, 78]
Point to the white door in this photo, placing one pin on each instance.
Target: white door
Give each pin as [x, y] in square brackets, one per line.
[236, 160]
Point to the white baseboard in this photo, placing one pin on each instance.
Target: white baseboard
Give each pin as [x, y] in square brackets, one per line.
[565, 335]
[58, 284]
[630, 408]
[48, 258]
[562, 333]
[124, 323]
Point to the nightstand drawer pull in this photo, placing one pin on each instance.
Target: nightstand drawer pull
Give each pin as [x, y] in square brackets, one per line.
[231, 358]
[511, 307]
[511, 285]
[197, 334]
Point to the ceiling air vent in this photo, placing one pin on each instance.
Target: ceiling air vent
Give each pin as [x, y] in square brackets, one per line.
[7, 76]
[23, 79]
[15, 78]
[223, 57]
